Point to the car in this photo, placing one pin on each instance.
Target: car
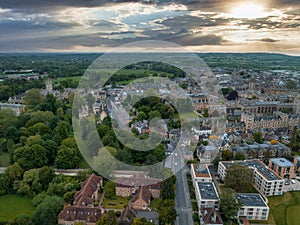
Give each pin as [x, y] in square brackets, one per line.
[293, 181]
[287, 182]
[175, 163]
[175, 154]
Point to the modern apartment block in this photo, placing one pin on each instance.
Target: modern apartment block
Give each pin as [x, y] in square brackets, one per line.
[206, 195]
[282, 167]
[200, 173]
[265, 180]
[253, 207]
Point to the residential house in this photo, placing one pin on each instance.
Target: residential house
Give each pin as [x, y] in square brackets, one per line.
[141, 199]
[207, 154]
[282, 167]
[210, 216]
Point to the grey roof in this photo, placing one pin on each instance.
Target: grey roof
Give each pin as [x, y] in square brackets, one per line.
[207, 190]
[256, 164]
[251, 200]
[282, 162]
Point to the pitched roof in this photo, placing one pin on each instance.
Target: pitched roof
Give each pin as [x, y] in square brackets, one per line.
[143, 193]
[74, 213]
[88, 187]
[211, 216]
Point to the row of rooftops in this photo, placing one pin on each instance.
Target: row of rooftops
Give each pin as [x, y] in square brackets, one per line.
[257, 146]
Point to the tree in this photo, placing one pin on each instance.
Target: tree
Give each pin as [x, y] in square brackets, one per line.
[226, 155]
[46, 212]
[229, 204]
[46, 175]
[257, 136]
[7, 119]
[141, 221]
[31, 156]
[13, 174]
[239, 156]
[30, 185]
[295, 139]
[109, 189]
[168, 191]
[291, 84]
[108, 219]
[33, 99]
[67, 158]
[167, 212]
[238, 177]
[20, 220]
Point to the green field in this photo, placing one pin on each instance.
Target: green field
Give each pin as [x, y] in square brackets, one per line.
[14, 205]
[285, 209]
[117, 203]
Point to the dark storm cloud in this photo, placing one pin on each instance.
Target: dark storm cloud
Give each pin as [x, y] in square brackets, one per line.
[188, 21]
[196, 40]
[270, 40]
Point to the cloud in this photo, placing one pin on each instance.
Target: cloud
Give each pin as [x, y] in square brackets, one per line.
[270, 40]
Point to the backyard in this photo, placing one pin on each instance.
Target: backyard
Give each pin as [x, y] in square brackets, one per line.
[284, 210]
[115, 203]
[14, 205]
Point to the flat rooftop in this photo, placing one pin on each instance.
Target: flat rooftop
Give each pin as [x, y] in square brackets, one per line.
[251, 200]
[256, 164]
[207, 190]
[201, 170]
[282, 162]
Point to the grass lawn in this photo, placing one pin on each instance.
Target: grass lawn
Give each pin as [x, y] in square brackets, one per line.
[117, 203]
[284, 210]
[14, 205]
[4, 159]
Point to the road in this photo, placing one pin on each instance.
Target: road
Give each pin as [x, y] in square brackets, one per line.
[183, 200]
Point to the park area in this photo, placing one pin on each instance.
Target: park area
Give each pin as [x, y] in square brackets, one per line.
[285, 209]
[14, 205]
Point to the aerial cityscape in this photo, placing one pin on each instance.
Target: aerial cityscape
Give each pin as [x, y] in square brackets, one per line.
[149, 112]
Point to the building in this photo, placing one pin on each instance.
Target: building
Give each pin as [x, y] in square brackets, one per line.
[262, 151]
[253, 207]
[140, 188]
[207, 154]
[141, 199]
[83, 208]
[259, 107]
[206, 195]
[297, 164]
[277, 120]
[210, 216]
[200, 173]
[265, 180]
[17, 108]
[282, 167]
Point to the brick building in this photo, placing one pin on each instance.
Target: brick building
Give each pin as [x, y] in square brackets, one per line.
[83, 208]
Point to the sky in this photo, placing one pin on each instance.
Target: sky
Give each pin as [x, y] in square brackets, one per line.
[197, 25]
